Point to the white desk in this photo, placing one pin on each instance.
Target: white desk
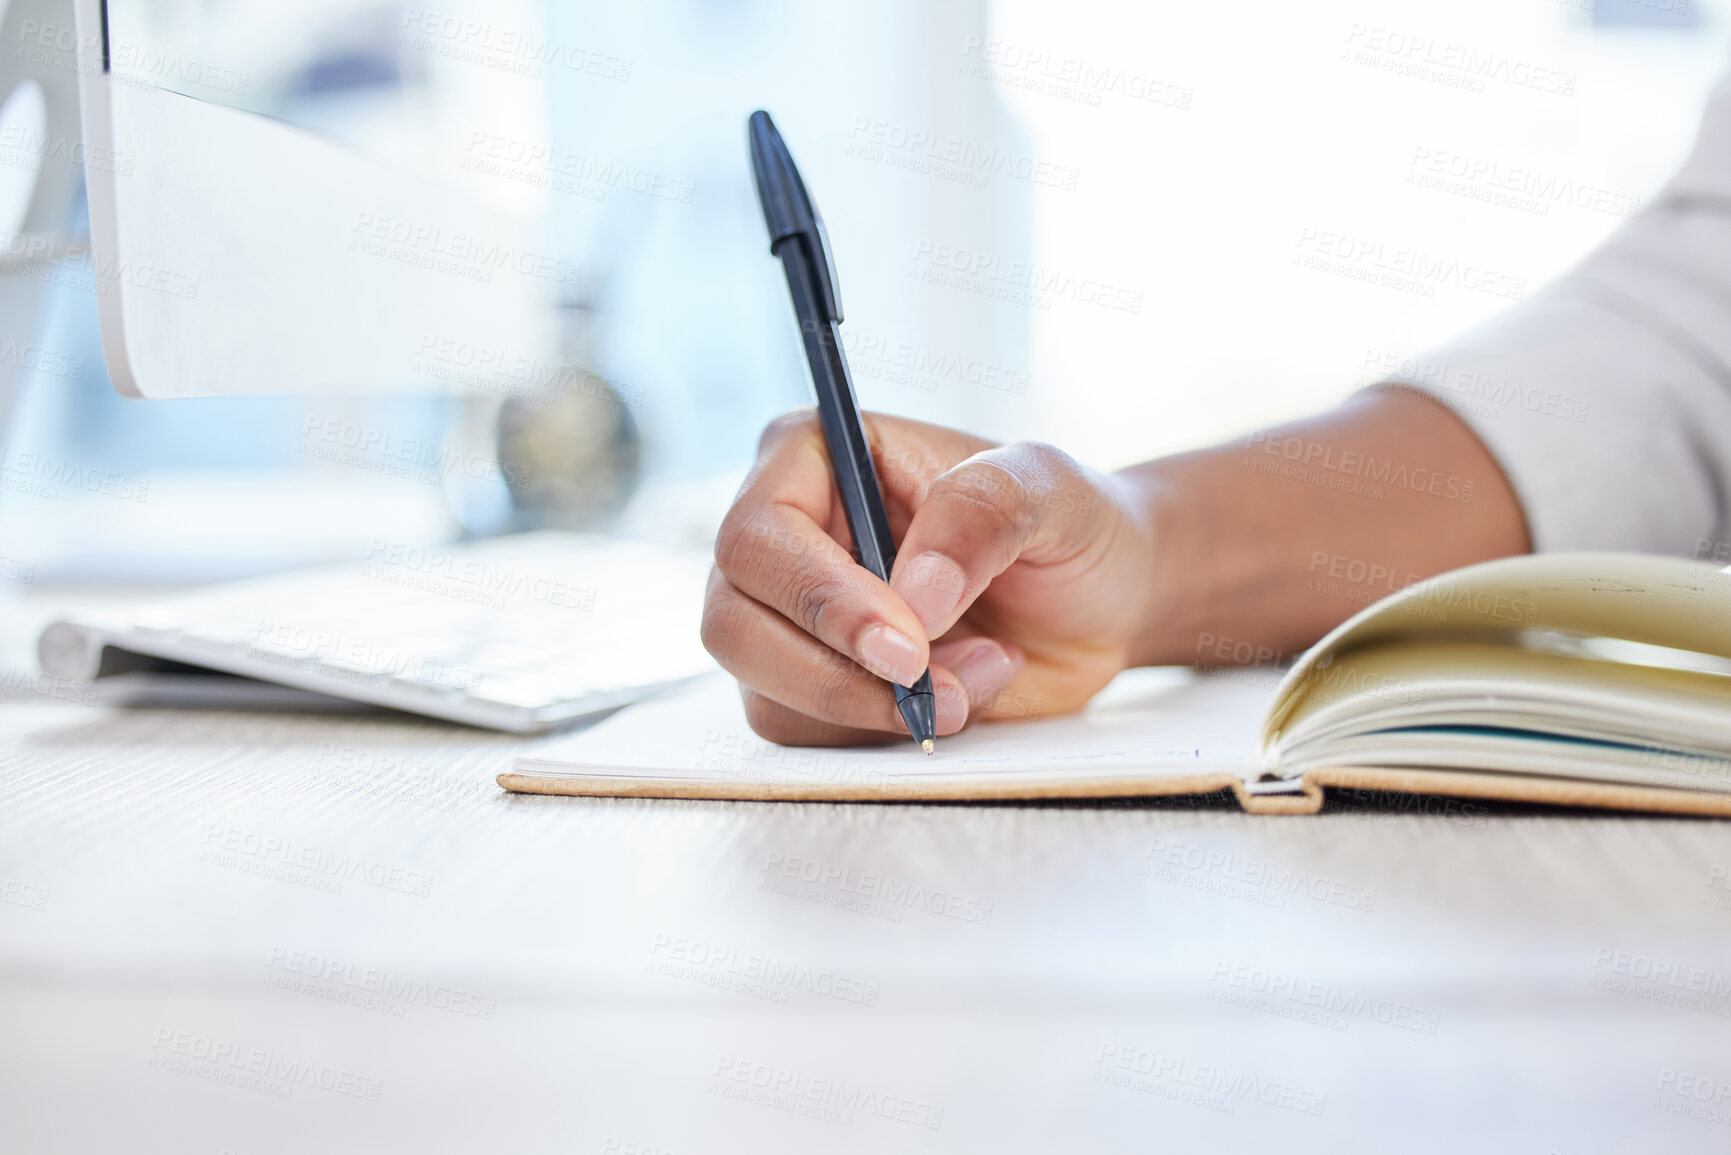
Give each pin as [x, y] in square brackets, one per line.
[581, 976]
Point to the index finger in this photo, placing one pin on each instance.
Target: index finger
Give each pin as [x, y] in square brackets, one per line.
[776, 547]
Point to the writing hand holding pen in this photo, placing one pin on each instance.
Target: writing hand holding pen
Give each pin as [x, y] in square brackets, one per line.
[1022, 580]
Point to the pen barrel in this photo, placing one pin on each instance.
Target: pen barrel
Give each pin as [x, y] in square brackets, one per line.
[850, 455]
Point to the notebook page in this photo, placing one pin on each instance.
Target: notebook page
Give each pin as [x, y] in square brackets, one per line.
[1148, 723]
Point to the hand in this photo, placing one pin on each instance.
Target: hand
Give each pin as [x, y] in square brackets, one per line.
[1022, 578]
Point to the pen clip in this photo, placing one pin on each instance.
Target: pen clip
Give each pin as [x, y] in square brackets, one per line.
[788, 209]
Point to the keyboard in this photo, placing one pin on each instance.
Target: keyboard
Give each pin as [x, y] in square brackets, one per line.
[518, 633]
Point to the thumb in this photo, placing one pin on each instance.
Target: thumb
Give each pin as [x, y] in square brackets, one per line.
[1026, 500]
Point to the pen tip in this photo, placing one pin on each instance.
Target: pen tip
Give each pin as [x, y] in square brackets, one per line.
[926, 745]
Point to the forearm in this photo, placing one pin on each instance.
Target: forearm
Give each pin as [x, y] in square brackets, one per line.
[1263, 544]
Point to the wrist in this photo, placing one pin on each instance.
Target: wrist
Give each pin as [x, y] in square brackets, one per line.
[1170, 577]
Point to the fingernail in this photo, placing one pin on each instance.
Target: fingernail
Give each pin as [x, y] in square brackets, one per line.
[932, 585]
[891, 655]
[984, 670]
[952, 706]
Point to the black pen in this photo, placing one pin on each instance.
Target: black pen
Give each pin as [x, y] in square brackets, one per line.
[797, 236]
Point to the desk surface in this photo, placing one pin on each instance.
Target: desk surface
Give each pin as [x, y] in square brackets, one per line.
[269, 934]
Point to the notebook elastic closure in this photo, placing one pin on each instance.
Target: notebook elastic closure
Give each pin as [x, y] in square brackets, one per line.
[1266, 792]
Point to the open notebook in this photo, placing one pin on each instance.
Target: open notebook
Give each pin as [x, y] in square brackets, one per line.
[1578, 679]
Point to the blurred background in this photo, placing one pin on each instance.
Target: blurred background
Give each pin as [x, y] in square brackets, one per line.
[1123, 228]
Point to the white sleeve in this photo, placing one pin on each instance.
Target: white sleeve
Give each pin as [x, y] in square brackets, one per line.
[1607, 397]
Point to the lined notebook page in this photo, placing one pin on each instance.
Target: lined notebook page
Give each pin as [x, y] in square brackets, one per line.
[1148, 723]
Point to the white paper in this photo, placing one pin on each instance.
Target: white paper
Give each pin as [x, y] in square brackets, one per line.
[1148, 723]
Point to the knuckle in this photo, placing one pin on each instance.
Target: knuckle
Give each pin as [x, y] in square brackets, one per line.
[729, 538]
[905, 460]
[1043, 468]
[737, 539]
[1054, 482]
[1048, 457]
[720, 626]
[813, 601]
[792, 424]
[754, 539]
[993, 491]
[833, 687]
